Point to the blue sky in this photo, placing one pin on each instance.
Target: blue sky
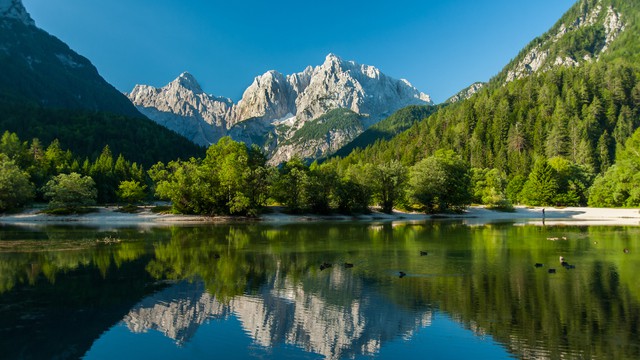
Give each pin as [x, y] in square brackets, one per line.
[439, 46]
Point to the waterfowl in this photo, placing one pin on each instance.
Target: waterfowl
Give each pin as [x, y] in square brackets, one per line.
[424, 253]
[565, 264]
[402, 274]
[538, 265]
[552, 271]
[626, 251]
[324, 266]
[348, 265]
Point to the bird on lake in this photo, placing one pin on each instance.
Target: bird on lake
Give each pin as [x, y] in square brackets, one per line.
[402, 274]
[324, 265]
[348, 265]
[626, 251]
[552, 271]
[565, 264]
[538, 265]
[424, 253]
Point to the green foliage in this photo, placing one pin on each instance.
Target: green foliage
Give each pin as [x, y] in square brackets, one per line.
[541, 188]
[231, 180]
[15, 188]
[70, 191]
[335, 120]
[87, 133]
[514, 189]
[620, 185]
[131, 191]
[289, 187]
[388, 182]
[441, 182]
[489, 188]
[386, 129]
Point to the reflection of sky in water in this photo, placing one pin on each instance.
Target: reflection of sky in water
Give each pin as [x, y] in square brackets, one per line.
[226, 339]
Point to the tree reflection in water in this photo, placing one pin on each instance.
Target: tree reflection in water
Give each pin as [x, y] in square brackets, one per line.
[269, 278]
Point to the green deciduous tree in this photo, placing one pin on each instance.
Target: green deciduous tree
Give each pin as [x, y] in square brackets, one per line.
[229, 181]
[15, 188]
[388, 182]
[441, 182]
[70, 191]
[131, 191]
[489, 188]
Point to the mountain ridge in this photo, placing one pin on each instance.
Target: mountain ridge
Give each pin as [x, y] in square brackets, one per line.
[276, 105]
[49, 91]
[580, 113]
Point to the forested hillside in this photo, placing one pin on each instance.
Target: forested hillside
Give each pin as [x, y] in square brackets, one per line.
[386, 129]
[86, 133]
[577, 115]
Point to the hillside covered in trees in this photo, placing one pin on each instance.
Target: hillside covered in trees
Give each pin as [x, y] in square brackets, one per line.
[564, 125]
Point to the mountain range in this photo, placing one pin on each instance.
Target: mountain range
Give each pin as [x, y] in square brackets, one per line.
[338, 104]
[49, 91]
[276, 109]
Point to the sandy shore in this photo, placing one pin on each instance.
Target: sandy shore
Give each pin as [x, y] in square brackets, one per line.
[475, 215]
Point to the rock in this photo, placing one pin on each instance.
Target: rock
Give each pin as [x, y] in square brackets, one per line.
[183, 107]
[466, 92]
[14, 9]
[539, 58]
[275, 107]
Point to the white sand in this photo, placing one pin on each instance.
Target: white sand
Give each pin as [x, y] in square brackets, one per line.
[475, 215]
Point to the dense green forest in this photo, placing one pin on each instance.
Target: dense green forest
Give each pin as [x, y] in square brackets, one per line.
[389, 127]
[86, 133]
[559, 137]
[579, 116]
[542, 140]
[31, 172]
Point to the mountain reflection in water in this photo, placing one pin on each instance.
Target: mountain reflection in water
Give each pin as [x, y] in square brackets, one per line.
[284, 312]
[247, 291]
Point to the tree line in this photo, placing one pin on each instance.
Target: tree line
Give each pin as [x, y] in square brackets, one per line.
[547, 139]
[560, 138]
[30, 172]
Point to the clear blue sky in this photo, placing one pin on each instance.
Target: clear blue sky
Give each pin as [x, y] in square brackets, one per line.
[440, 46]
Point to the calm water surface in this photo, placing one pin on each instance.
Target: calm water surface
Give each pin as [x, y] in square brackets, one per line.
[258, 291]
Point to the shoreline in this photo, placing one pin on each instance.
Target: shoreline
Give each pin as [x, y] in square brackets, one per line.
[474, 215]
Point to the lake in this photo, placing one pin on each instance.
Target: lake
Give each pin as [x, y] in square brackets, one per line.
[320, 290]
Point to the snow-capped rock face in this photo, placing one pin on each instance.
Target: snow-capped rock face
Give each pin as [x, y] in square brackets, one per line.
[183, 107]
[13, 9]
[539, 57]
[274, 100]
[269, 97]
[361, 88]
[284, 311]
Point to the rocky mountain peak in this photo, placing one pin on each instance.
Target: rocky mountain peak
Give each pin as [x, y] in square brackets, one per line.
[546, 54]
[188, 82]
[274, 107]
[14, 9]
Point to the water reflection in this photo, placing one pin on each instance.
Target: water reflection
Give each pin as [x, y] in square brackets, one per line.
[284, 312]
[178, 281]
